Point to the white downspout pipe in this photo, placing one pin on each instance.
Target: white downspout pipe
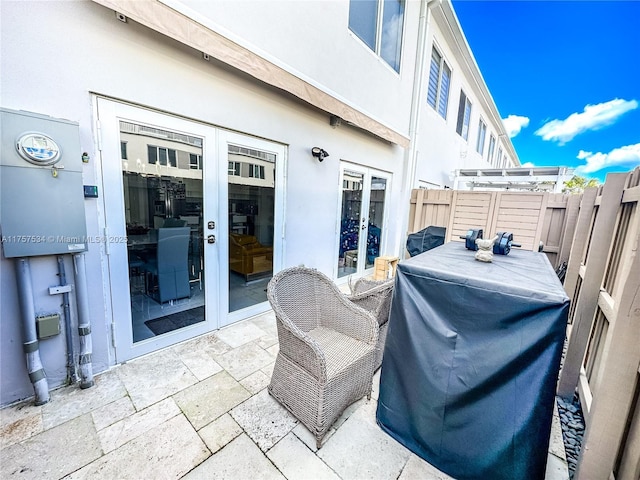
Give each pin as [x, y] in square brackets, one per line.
[29, 333]
[411, 154]
[84, 325]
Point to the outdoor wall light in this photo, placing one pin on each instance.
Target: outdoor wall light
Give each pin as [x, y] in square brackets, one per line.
[319, 153]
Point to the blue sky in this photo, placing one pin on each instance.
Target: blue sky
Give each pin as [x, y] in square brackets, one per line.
[565, 77]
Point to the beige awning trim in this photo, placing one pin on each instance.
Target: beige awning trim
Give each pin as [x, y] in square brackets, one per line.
[173, 24]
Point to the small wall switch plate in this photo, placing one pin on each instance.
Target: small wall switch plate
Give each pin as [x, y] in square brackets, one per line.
[91, 191]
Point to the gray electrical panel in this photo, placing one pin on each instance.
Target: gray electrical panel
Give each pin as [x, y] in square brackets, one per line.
[41, 191]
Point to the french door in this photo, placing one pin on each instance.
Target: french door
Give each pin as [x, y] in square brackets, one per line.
[253, 217]
[194, 225]
[162, 224]
[362, 219]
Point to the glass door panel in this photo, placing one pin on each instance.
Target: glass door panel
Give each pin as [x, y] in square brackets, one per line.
[162, 273]
[376, 219]
[351, 222]
[362, 219]
[163, 204]
[251, 210]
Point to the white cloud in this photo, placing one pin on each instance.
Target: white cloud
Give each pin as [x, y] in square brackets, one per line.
[528, 165]
[514, 123]
[627, 155]
[594, 117]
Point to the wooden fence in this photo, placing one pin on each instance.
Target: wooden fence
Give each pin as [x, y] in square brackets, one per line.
[603, 352]
[531, 217]
[597, 234]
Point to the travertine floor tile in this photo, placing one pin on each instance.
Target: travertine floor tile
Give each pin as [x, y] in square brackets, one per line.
[556, 443]
[243, 361]
[417, 469]
[266, 322]
[199, 362]
[19, 422]
[556, 469]
[269, 343]
[360, 449]
[220, 432]
[71, 402]
[137, 424]
[297, 462]
[204, 402]
[166, 451]
[240, 333]
[268, 370]
[53, 453]
[255, 382]
[264, 419]
[209, 343]
[112, 413]
[155, 377]
[240, 459]
[375, 386]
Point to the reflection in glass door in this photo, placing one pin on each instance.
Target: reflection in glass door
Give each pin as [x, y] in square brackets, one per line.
[251, 177]
[362, 218]
[161, 273]
[163, 205]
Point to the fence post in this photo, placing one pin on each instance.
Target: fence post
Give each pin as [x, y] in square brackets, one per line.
[606, 428]
[587, 301]
[568, 232]
[580, 238]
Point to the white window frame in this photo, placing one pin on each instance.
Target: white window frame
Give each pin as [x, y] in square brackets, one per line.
[256, 171]
[168, 160]
[464, 116]
[482, 136]
[491, 149]
[439, 104]
[198, 164]
[378, 34]
[234, 167]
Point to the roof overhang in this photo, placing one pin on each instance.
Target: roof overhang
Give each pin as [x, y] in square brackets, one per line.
[164, 19]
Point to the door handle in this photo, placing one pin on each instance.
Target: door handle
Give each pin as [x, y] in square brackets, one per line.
[211, 239]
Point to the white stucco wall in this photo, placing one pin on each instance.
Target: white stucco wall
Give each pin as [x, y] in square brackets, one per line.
[440, 149]
[312, 38]
[54, 54]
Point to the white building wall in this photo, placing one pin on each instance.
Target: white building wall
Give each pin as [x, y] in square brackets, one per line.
[440, 149]
[312, 38]
[55, 56]
[75, 48]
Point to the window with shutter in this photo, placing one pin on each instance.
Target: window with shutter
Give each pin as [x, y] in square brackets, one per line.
[464, 116]
[439, 80]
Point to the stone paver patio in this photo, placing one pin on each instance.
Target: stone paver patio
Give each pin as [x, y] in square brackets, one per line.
[200, 410]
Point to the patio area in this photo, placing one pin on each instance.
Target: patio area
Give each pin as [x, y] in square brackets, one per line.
[201, 409]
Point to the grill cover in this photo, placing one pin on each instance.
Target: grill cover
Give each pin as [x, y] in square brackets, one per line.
[425, 239]
[471, 361]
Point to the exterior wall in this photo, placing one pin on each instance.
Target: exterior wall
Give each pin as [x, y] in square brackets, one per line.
[440, 149]
[77, 50]
[129, 62]
[324, 49]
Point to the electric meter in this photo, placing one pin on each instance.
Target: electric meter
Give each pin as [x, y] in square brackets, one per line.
[38, 148]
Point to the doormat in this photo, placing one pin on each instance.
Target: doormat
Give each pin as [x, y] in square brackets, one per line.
[175, 321]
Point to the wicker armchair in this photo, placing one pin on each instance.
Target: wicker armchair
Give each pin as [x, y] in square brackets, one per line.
[327, 348]
[375, 297]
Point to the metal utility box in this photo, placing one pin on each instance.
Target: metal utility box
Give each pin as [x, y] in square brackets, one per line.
[48, 325]
[41, 191]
